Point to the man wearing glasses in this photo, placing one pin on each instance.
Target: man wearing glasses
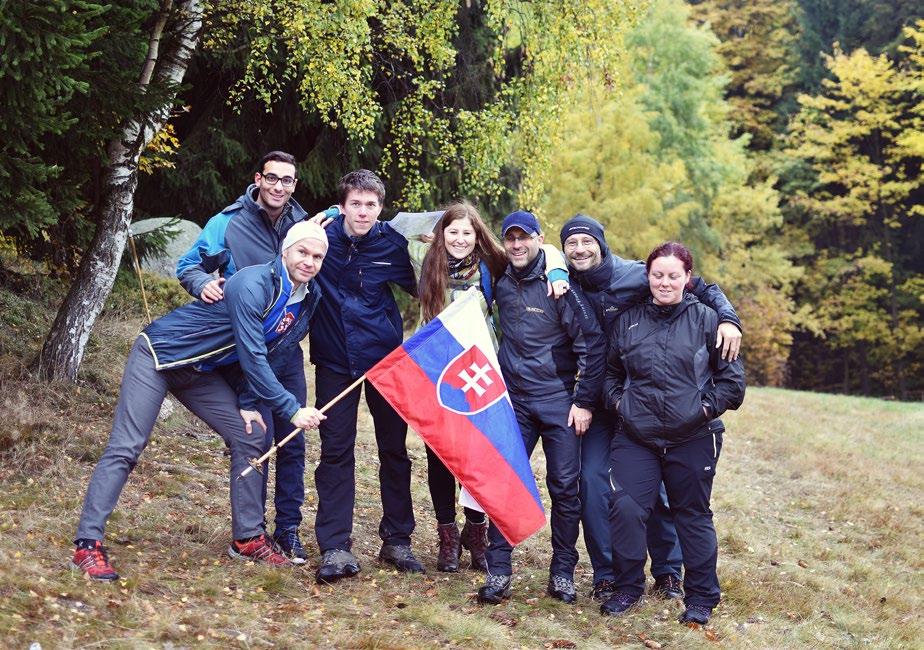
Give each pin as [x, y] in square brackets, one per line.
[551, 355]
[248, 232]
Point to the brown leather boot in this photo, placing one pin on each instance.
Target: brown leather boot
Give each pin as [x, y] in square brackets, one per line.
[450, 550]
[475, 540]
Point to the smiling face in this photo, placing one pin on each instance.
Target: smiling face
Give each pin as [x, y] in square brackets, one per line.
[667, 279]
[583, 252]
[360, 211]
[459, 237]
[273, 197]
[521, 247]
[303, 259]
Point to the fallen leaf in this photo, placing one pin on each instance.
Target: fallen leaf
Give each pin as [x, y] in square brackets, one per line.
[560, 643]
[711, 635]
[803, 564]
[504, 619]
[651, 643]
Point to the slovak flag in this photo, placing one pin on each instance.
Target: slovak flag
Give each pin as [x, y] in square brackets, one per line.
[445, 382]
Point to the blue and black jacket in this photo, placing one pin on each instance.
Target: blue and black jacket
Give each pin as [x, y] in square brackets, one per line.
[358, 323]
[243, 329]
[238, 236]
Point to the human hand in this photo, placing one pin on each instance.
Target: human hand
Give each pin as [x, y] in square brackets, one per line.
[212, 291]
[308, 418]
[249, 417]
[557, 289]
[321, 219]
[580, 419]
[728, 337]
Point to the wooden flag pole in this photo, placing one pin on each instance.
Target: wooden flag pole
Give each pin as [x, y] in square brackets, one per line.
[256, 464]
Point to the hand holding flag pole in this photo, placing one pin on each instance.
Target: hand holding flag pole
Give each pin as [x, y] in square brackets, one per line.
[256, 464]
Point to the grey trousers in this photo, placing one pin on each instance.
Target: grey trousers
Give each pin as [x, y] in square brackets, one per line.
[142, 392]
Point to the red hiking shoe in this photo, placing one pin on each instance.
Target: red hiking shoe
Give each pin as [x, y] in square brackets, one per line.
[94, 562]
[258, 549]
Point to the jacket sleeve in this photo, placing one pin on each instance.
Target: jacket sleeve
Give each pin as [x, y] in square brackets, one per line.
[404, 272]
[555, 266]
[208, 254]
[246, 302]
[713, 296]
[727, 390]
[615, 379]
[588, 344]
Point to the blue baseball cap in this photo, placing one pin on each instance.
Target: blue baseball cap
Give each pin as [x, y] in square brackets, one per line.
[525, 221]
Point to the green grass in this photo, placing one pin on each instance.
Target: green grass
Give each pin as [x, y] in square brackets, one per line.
[817, 505]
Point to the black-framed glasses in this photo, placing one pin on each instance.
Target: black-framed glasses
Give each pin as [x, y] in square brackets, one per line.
[272, 179]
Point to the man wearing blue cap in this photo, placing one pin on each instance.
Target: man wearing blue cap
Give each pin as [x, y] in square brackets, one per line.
[551, 355]
[612, 284]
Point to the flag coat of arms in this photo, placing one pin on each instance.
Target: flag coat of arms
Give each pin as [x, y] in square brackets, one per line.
[446, 383]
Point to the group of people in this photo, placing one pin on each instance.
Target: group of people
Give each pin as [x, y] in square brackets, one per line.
[621, 368]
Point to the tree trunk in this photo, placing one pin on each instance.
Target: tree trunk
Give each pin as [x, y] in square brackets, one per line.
[66, 342]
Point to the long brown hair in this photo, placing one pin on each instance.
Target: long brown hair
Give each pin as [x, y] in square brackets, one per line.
[434, 275]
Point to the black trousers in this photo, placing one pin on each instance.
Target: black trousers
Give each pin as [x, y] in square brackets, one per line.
[548, 420]
[687, 471]
[334, 476]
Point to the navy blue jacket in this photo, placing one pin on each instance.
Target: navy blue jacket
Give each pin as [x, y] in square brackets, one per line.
[238, 236]
[617, 284]
[549, 348]
[662, 369]
[205, 336]
[358, 322]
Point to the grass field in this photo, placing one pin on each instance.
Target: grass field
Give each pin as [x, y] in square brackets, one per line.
[818, 507]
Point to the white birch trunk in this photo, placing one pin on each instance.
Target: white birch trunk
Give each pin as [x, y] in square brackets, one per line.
[66, 342]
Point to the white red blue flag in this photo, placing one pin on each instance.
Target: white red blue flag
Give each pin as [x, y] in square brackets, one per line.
[445, 382]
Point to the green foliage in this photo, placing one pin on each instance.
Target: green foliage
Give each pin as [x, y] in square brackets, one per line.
[860, 141]
[44, 57]
[388, 77]
[657, 161]
[758, 42]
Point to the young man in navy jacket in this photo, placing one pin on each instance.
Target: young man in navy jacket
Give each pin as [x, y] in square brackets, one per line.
[357, 324]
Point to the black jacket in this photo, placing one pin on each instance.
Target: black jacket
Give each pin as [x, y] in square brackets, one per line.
[617, 284]
[548, 347]
[662, 368]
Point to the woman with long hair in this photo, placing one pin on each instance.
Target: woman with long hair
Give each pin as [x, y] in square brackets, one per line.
[463, 254]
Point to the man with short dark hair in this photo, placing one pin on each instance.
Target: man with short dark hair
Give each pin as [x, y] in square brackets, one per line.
[613, 284]
[551, 356]
[248, 232]
[358, 323]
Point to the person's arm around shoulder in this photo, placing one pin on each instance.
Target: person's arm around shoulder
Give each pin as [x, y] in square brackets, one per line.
[209, 253]
[730, 330]
[728, 385]
[556, 270]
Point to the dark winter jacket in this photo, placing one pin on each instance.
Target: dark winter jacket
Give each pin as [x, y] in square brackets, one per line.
[358, 322]
[662, 368]
[238, 236]
[549, 347]
[241, 329]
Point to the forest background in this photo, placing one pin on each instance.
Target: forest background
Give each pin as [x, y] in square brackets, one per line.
[781, 139]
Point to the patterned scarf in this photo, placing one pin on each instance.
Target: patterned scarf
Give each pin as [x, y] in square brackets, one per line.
[463, 269]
